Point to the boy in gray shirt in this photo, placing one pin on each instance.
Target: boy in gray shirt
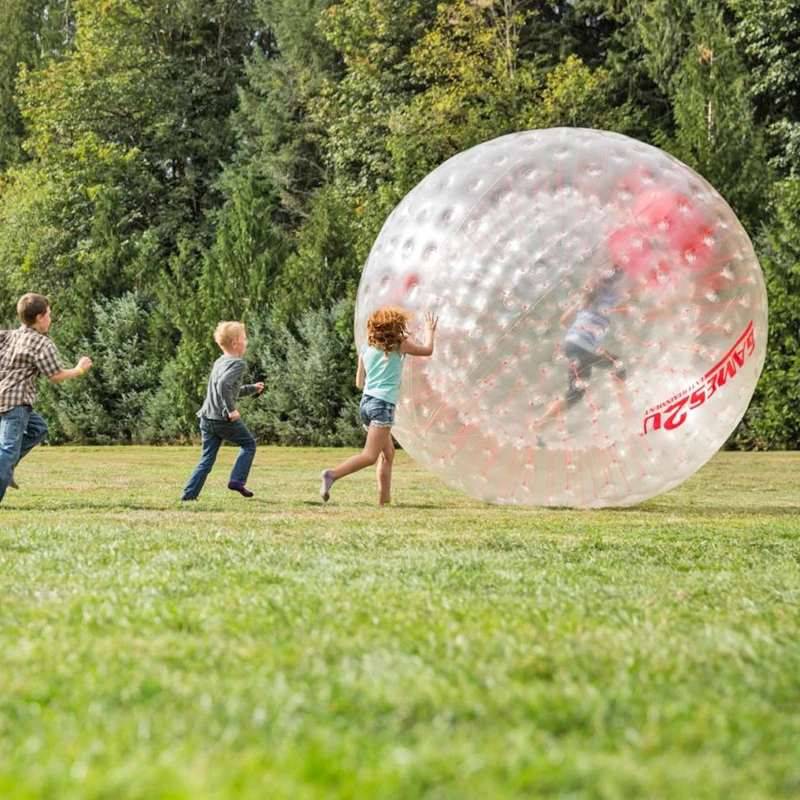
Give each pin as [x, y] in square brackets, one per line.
[220, 420]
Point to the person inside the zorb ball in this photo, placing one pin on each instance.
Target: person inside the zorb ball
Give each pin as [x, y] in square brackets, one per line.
[587, 321]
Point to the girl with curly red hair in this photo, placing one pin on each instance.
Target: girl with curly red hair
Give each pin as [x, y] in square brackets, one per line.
[380, 366]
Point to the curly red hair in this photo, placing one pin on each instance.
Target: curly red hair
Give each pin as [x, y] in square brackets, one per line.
[386, 328]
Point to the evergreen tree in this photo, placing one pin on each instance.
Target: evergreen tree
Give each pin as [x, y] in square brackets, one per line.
[773, 419]
[278, 136]
[770, 32]
[32, 32]
[715, 128]
[308, 369]
[110, 405]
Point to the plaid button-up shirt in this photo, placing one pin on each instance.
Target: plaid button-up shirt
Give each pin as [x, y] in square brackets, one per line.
[25, 354]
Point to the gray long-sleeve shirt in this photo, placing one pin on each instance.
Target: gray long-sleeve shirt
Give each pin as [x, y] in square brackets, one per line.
[224, 388]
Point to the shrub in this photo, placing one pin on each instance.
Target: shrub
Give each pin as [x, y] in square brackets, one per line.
[310, 396]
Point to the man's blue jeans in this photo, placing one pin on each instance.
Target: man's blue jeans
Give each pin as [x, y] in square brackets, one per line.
[214, 433]
[21, 429]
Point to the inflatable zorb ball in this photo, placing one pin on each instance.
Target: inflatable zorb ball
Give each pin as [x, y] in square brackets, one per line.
[602, 319]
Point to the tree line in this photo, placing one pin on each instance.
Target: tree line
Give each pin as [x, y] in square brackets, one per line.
[165, 164]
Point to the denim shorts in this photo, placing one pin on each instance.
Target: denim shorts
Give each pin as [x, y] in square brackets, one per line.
[580, 369]
[377, 412]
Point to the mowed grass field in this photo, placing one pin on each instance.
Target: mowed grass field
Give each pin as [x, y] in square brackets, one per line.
[441, 648]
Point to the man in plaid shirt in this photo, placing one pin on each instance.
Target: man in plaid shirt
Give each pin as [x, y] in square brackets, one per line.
[25, 354]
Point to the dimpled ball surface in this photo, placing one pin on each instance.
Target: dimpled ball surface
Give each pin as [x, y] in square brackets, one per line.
[506, 243]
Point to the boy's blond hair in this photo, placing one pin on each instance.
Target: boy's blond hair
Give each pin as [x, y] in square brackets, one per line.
[226, 333]
[386, 328]
[29, 306]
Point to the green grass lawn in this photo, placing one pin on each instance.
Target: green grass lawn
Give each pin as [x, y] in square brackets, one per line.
[279, 648]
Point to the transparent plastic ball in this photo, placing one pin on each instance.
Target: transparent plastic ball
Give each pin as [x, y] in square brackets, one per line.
[602, 319]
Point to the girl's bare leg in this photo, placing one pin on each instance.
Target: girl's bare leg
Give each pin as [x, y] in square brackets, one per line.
[553, 410]
[376, 442]
[384, 471]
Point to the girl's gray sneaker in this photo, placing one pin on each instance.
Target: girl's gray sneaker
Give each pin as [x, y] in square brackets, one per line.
[327, 482]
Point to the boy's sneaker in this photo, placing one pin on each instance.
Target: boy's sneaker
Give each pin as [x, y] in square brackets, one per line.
[187, 499]
[327, 482]
[241, 488]
[12, 483]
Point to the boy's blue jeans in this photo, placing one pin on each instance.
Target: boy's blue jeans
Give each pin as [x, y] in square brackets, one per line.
[214, 432]
[21, 429]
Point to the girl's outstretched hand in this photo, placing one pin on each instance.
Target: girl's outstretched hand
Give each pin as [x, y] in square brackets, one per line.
[431, 320]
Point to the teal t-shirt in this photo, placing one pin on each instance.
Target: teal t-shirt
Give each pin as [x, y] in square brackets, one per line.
[383, 373]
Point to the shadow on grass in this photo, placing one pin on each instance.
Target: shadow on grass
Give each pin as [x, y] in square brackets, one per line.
[356, 504]
[176, 506]
[649, 509]
[699, 510]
